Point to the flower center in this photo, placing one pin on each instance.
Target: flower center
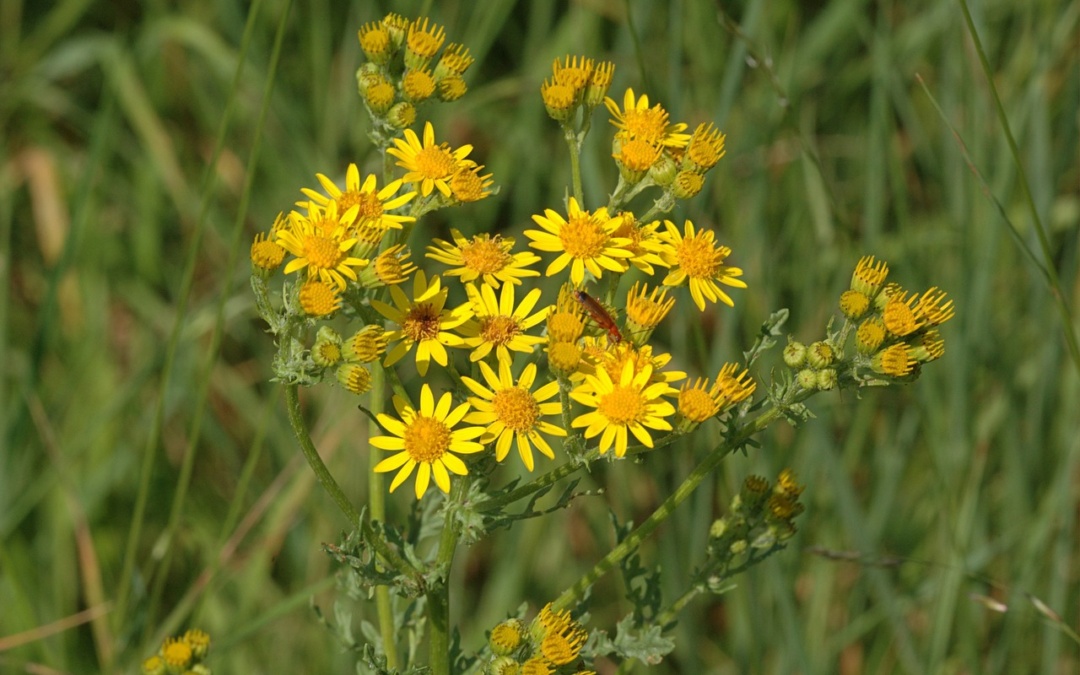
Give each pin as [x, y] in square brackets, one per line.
[322, 252]
[371, 208]
[516, 408]
[435, 162]
[583, 237]
[426, 439]
[622, 406]
[499, 330]
[649, 124]
[899, 319]
[564, 327]
[467, 185]
[485, 255]
[697, 258]
[696, 405]
[638, 154]
[421, 323]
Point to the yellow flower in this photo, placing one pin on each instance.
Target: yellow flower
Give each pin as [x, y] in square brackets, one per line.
[389, 268]
[612, 358]
[646, 244]
[321, 244]
[565, 321]
[630, 404]
[697, 258]
[423, 321]
[418, 84]
[318, 298]
[429, 165]
[706, 147]
[374, 204]
[587, 240]
[375, 42]
[512, 411]
[426, 438]
[645, 310]
[637, 120]
[467, 185]
[559, 636]
[483, 256]
[455, 60]
[176, 653]
[267, 254]
[573, 73]
[498, 325]
[869, 275]
[422, 42]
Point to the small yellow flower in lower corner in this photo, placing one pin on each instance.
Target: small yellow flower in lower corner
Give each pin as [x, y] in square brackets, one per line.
[697, 260]
[318, 298]
[506, 637]
[176, 654]
[425, 441]
[559, 636]
[423, 321]
[510, 410]
[628, 405]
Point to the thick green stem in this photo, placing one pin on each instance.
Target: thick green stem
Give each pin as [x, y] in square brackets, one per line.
[438, 597]
[296, 419]
[574, 145]
[576, 592]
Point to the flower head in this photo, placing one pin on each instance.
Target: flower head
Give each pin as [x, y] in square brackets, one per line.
[646, 244]
[467, 185]
[422, 42]
[426, 438]
[697, 259]
[565, 321]
[498, 325]
[706, 147]
[423, 321]
[510, 410]
[623, 406]
[586, 241]
[428, 165]
[483, 256]
[645, 310]
[318, 298]
[321, 244]
[389, 268]
[374, 205]
[637, 120]
[267, 254]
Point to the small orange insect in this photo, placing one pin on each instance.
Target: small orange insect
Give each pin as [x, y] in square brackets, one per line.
[599, 315]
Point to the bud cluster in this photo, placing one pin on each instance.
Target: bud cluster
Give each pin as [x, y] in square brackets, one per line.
[549, 644]
[180, 656]
[760, 518]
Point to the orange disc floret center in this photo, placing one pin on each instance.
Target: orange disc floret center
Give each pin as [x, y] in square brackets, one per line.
[649, 124]
[499, 330]
[435, 162]
[322, 253]
[484, 256]
[421, 323]
[426, 439]
[371, 208]
[638, 154]
[698, 258]
[516, 408]
[623, 405]
[583, 237]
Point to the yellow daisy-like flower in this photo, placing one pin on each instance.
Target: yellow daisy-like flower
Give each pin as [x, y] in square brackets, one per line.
[706, 147]
[869, 275]
[423, 42]
[627, 405]
[418, 84]
[498, 325]
[587, 240]
[423, 321]
[429, 165]
[390, 267]
[559, 100]
[697, 258]
[321, 244]
[483, 256]
[637, 120]
[510, 410]
[176, 653]
[645, 310]
[574, 72]
[426, 438]
[646, 243]
[266, 255]
[373, 204]
[601, 355]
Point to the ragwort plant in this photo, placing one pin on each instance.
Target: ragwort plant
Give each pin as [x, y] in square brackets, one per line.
[560, 380]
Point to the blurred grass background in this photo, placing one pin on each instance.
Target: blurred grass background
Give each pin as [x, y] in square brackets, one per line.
[961, 486]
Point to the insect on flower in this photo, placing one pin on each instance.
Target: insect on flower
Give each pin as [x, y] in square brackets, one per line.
[599, 315]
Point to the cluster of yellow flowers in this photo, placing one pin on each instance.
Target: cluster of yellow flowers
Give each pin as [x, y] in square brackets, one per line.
[399, 74]
[548, 645]
[180, 656]
[341, 248]
[895, 330]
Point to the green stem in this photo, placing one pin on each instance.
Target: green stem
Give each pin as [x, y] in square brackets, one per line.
[574, 145]
[296, 419]
[576, 592]
[439, 596]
